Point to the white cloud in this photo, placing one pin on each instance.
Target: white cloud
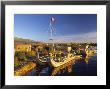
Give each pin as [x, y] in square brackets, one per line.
[84, 37]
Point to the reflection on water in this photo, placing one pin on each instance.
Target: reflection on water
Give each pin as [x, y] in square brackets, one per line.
[78, 68]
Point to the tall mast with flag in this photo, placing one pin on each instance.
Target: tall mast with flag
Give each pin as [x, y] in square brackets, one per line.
[51, 29]
[52, 20]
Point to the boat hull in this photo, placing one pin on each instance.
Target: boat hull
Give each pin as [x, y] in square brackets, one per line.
[40, 63]
[69, 59]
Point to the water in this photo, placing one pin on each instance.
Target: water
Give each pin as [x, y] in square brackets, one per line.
[79, 68]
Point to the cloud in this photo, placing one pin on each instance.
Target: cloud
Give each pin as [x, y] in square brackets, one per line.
[84, 37]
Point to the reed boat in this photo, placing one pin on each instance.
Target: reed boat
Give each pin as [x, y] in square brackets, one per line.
[69, 59]
[90, 53]
[42, 62]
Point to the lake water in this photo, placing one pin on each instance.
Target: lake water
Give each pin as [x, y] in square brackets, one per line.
[79, 68]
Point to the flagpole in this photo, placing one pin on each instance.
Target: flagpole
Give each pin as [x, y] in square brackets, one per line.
[51, 34]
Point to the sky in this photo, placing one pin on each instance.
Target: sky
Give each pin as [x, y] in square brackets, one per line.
[67, 27]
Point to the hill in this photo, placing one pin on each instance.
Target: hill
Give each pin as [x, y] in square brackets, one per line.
[24, 41]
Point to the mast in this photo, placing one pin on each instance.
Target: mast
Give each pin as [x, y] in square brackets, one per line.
[51, 31]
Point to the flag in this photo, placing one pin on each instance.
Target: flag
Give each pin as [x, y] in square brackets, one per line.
[52, 19]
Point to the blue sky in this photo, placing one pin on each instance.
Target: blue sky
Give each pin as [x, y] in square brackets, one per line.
[67, 27]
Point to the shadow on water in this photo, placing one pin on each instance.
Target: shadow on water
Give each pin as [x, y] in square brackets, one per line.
[79, 68]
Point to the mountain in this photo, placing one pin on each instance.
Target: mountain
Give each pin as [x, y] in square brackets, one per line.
[24, 41]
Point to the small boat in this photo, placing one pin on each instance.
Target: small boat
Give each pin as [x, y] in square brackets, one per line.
[69, 59]
[41, 62]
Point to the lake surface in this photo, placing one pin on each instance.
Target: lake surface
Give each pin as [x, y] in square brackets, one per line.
[79, 68]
